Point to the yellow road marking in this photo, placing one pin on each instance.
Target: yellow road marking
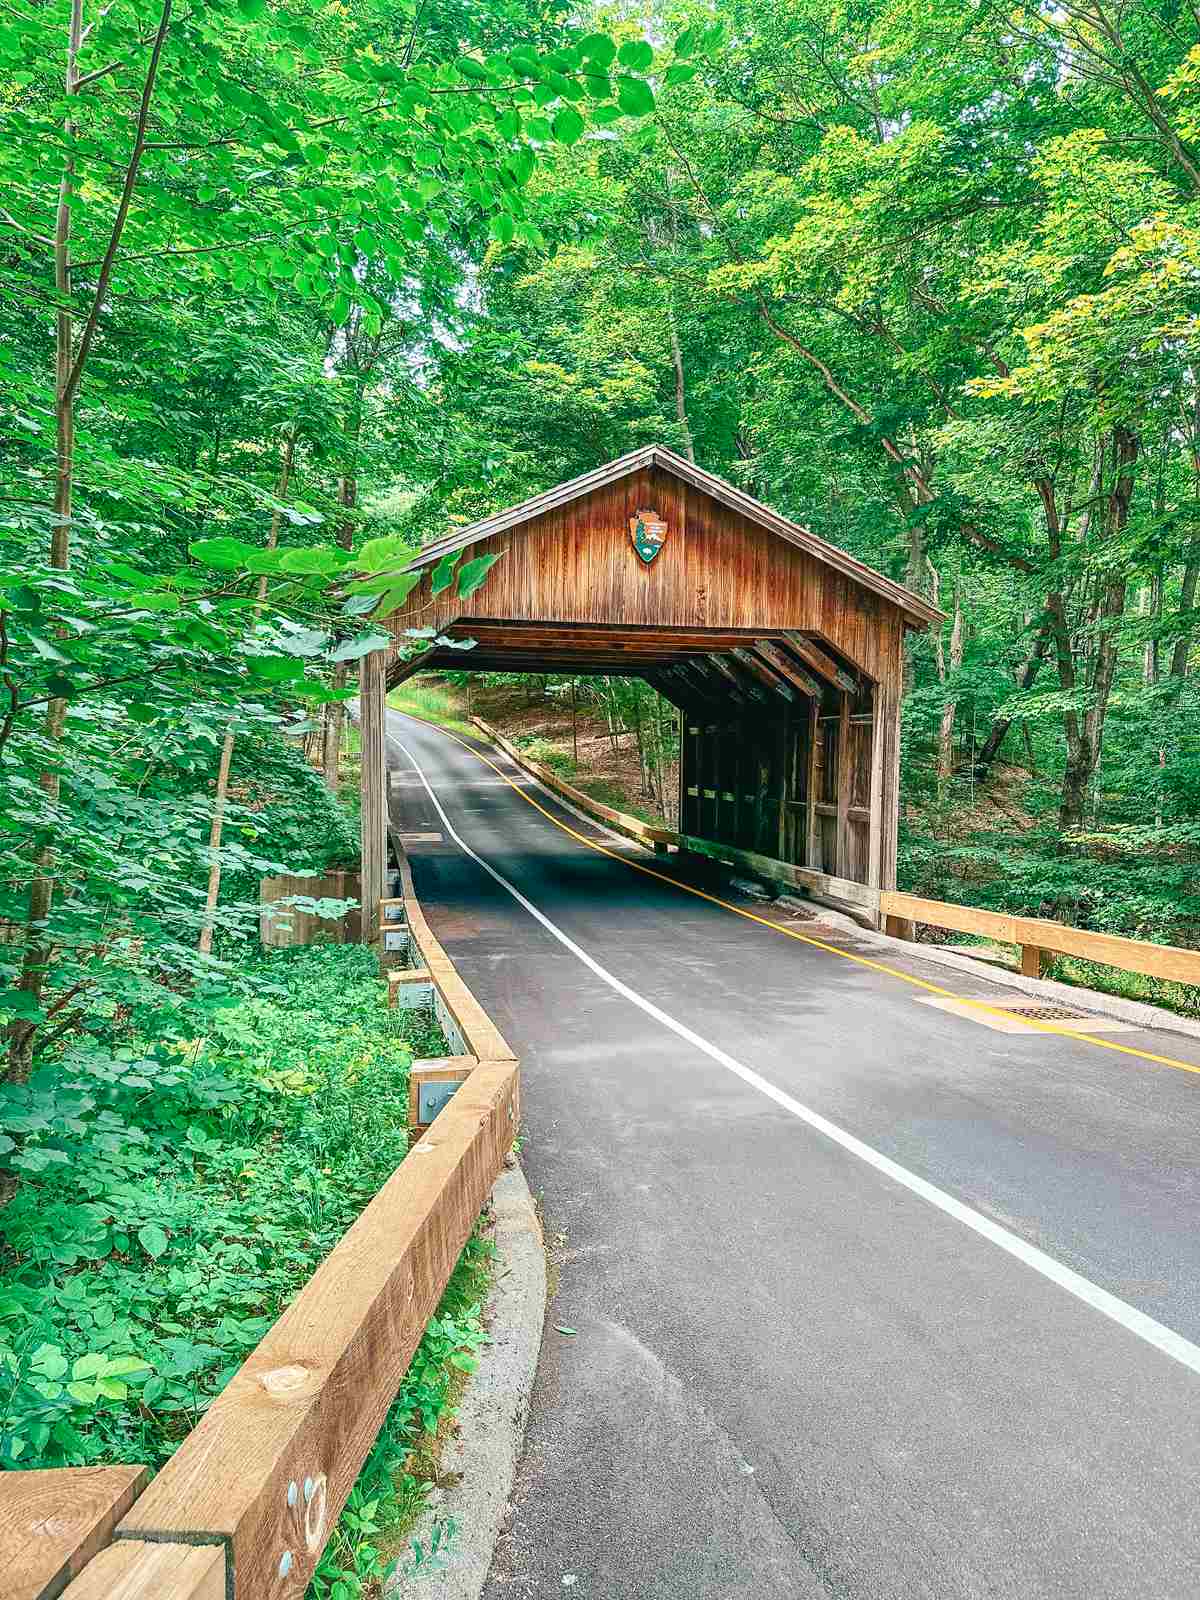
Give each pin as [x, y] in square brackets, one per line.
[803, 938]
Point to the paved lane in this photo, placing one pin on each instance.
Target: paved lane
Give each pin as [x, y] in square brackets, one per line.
[792, 1375]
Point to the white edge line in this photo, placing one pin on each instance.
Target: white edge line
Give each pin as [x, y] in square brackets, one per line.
[1126, 1316]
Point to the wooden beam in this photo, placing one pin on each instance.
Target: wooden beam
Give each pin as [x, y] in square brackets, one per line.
[133, 1569]
[875, 794]
[53, 1522]
[821, 662]
[813, 853]
[778, 658]
[372, 711]
[743, 690]
[774, 681]
[842, 892]
[843, 788]
[399, 669]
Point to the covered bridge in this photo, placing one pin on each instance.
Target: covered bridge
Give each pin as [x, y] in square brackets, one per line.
[784, 655]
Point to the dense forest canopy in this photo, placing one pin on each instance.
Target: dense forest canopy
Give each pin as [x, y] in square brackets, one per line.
[288, 288]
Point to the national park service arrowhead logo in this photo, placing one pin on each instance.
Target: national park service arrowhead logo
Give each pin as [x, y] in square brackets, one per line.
[648, 532]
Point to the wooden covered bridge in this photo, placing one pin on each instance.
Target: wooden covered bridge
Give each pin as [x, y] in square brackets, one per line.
[784, 655]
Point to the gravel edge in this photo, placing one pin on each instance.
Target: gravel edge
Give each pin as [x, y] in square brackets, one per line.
[487, 1444]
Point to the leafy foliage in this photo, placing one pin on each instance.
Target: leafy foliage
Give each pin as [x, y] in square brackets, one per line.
[186, 1191]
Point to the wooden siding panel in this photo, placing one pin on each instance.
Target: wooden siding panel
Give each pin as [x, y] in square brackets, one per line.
[717, 569]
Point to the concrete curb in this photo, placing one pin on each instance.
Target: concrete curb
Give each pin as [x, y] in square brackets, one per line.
[491, 1416]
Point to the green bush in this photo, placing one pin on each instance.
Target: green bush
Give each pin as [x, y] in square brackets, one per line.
[185, 1193]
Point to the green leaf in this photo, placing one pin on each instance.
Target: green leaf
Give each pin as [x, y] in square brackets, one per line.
[501, 227]
[688, 42]
[126, 1366]
[321, 561]
[568, 126]
[443, 573]
[598, 48]
[276, 669]
[634, 96]
[637, 54]
[680, 72]
[152, 1239]
[396, 594]
[473, 574]
[224, 553]
[355, 649]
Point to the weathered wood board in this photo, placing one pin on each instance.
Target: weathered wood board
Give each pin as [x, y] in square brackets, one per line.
[286, 927]
[134, 1570]
[53, 1522]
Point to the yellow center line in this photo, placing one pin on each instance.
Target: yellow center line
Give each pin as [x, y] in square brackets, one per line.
[804, 938]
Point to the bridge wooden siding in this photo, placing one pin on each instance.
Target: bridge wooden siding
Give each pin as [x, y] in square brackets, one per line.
[783, 654]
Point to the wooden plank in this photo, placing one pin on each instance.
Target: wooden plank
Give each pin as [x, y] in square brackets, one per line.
[940, 914]
[875, 800]
[132, 1569]
[289, 928]
[1173, 962]
[774, 682]
[848, 895]
[843, 787]
[270, 1464]
[812, 849]
[372, 710]
[53, 1522]
[777, 657]
[822, 663]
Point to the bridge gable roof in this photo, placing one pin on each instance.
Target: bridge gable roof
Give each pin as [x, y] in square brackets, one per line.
[917, 611]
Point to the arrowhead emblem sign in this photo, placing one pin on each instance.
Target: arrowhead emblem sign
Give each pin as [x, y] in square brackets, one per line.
[648, 532]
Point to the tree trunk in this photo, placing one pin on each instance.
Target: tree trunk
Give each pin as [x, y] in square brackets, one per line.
[41, 889]
[1187, 599]
[685, 426]
[204, 944]
[334, 711]
[991, 746]
[1085, 739]
[945, 761]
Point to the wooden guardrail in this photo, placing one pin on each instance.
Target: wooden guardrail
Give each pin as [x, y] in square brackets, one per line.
[243, 1509]
[1038, 936]
[846, 895]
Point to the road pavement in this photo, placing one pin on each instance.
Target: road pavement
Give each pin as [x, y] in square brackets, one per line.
[867, 1299]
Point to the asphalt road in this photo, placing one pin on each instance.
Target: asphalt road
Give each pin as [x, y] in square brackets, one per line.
[868, 1299]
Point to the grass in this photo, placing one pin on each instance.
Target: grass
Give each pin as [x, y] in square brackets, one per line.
[440, 703]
